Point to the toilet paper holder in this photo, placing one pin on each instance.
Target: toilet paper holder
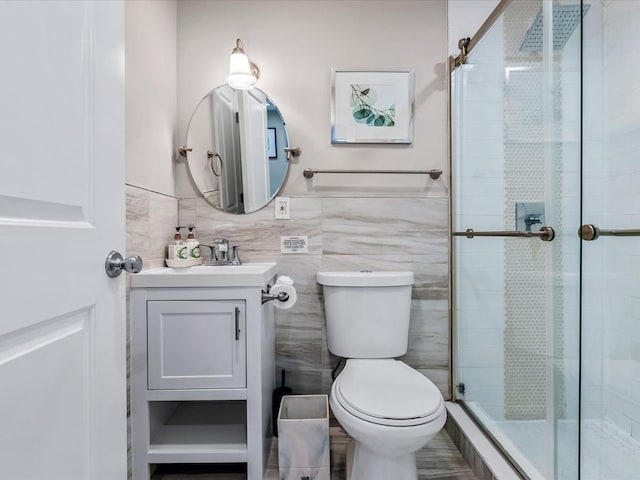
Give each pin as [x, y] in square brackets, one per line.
[267, 297]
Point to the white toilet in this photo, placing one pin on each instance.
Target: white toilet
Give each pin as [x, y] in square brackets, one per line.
[389, 409]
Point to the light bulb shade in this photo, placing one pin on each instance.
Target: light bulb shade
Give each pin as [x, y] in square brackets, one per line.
[240, 76]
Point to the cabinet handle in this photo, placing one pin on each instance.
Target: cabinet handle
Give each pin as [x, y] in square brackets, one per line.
[237, 323]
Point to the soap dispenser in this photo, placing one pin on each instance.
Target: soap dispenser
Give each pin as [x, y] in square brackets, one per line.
[193, 246]
[178, 249]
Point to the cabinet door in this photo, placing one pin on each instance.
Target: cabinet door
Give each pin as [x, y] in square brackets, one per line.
[196, 344]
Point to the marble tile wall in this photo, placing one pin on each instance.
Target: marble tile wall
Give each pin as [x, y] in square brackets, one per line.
[151, 218]
[150, 221]
[345, 233]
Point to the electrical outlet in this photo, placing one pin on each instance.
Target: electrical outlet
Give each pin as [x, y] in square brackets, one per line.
[282, 208]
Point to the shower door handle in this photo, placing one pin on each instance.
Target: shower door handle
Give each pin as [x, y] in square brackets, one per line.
[591, 232]
[546, 234]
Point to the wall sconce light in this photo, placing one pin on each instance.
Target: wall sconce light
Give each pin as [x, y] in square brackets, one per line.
[242, 73]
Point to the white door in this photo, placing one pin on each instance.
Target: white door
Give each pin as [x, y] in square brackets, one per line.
[224, 106]
[62, 326]
[255, 163]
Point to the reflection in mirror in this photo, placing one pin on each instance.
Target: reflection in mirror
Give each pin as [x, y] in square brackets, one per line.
[237, 141]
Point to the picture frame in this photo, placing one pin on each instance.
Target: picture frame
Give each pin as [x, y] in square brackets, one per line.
[272, 147]
[372, 106]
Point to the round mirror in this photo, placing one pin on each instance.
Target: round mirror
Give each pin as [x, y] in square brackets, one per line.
[236, 143]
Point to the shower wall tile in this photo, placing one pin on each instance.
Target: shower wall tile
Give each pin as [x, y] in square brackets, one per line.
[611, 315]
[478, 92]
[479, 163]
[480, 337]
[480, 300]
[472, 262]
[481, 110]
[491, 376]
[345, 234]
[475, 318]
[485, 280]
[488, 131]
[479, 185]
[488, 221]
[487, 73]
[475, 205]
[481, 357]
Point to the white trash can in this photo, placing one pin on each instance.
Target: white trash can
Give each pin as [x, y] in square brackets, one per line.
[303, 438]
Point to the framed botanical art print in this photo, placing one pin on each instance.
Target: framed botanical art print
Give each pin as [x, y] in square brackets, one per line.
[372, 106]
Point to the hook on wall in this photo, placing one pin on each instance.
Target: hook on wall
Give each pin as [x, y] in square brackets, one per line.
[292, 152]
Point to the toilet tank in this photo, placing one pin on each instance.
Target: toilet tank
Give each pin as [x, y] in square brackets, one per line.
[367, 313]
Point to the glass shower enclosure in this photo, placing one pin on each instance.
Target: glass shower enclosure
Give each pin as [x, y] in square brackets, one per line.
[545, 112]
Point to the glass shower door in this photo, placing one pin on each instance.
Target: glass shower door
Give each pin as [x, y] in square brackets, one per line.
[516, 167]
[610, 398]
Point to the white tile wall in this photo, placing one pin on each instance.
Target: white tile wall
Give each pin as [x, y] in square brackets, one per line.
[611, 298]
[479, 204]
[621, 342]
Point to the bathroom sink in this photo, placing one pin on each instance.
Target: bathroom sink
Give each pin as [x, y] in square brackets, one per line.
[246, 275]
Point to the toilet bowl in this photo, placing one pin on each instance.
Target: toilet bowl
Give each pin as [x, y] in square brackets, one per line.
[388, 408]
[391, 411]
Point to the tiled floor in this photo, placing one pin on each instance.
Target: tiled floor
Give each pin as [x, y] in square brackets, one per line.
[439, 460]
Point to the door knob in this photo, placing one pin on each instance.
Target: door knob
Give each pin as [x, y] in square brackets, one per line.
[115, 264]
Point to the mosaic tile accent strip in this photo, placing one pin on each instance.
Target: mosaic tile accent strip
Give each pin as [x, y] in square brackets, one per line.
[527, 262]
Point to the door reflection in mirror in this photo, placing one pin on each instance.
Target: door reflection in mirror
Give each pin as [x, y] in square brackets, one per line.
[229, 160]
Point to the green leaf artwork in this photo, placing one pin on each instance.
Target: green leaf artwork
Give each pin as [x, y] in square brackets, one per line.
[373, 105]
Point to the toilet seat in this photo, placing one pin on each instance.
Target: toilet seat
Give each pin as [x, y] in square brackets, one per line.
[387, 392]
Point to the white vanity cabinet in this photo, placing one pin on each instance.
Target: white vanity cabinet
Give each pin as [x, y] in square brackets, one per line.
[202, 367]
[196, 344]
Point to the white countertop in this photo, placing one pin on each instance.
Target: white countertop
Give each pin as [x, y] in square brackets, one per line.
[246, 275]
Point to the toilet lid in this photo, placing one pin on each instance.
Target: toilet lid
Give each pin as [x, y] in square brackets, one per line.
[388, 392]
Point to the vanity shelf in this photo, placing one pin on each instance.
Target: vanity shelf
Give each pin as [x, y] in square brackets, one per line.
[200, 431]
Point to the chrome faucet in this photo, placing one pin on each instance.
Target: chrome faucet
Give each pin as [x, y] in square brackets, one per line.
[220, 253]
